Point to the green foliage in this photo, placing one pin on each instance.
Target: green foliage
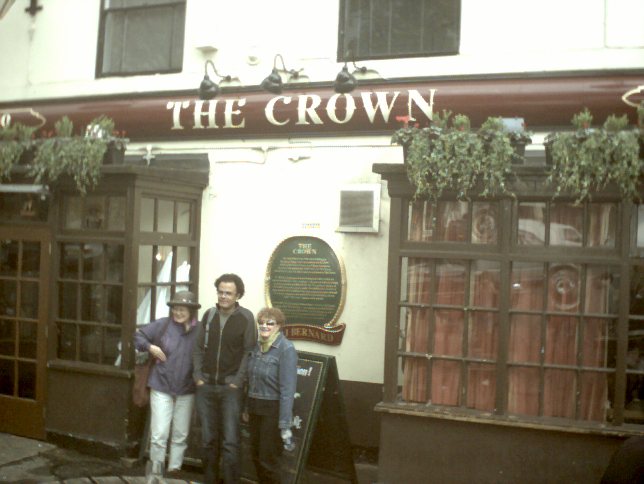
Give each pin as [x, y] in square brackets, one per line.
[448, 155]
[588, 159]
[80, 157]
[14, 140]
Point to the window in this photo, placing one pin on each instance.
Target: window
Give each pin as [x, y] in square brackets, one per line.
[498, 315]
[381, 29]
[141, 37]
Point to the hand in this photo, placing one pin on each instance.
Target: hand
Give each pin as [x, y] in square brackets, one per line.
[232, 385]
[245, 417]
[200, 382]
[157, 352]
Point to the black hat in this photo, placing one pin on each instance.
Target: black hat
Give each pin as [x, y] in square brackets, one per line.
[184, 298]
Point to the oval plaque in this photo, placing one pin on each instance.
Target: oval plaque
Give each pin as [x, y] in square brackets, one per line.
[306, 280]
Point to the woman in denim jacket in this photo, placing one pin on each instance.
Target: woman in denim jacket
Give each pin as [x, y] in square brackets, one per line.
[272, 377]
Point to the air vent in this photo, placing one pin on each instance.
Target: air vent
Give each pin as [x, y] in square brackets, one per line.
[360, 208]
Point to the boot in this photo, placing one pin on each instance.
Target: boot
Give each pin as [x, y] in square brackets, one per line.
[154, 473]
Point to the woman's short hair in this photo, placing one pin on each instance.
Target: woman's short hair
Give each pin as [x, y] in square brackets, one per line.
[271, 313]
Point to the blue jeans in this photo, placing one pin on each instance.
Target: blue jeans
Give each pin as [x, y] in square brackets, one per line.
[219, 409]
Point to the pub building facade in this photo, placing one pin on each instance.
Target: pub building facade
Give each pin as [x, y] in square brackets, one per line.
[478, 340]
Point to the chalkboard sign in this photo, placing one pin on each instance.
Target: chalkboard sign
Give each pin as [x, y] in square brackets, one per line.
[320, 427]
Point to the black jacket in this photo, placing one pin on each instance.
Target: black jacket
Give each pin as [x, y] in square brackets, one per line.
[223, 360]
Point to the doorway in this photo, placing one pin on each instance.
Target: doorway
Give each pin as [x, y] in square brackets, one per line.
[24, 279]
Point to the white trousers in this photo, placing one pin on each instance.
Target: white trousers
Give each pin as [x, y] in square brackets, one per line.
[169, 414]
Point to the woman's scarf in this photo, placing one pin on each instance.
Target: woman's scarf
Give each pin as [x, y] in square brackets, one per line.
[266, 345]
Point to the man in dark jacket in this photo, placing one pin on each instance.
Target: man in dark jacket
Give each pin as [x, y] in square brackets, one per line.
[226, 335]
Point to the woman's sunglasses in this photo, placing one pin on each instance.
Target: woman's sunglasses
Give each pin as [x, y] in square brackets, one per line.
[267, 323]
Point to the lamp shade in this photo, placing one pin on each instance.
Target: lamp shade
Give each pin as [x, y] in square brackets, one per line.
[345, 81]
[208, 89]
[273, 83]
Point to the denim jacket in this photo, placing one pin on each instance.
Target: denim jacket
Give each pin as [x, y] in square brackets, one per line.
[273, 376]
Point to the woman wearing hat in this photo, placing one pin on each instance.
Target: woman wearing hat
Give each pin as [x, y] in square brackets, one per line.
[170, 340]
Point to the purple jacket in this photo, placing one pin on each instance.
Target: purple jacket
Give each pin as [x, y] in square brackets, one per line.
[174, 376]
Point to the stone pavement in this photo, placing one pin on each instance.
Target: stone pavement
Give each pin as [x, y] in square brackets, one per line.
[28, 461]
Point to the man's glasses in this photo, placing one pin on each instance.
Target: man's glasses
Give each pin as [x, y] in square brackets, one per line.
[270, 323]
[225, 294]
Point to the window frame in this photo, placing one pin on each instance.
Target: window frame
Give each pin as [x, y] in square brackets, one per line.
[620, 255]
[100, 52]
[344, 55]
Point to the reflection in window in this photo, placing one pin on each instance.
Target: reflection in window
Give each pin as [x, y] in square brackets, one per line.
[532, 226]
[566, 222]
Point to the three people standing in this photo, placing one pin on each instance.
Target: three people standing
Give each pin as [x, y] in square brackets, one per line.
[224, 340]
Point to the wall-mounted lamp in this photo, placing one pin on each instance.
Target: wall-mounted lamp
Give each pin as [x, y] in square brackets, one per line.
[273, 82]
[208, 89]
[346, 81]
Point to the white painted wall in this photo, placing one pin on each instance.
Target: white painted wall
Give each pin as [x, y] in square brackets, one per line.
[53, 54]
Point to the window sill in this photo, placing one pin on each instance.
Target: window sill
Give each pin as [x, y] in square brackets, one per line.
[88, 368]
[552, 424]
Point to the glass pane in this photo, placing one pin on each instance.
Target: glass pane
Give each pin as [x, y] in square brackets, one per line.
[448, 332]
[8, 298]
[566, 222]
[416, 331]
[531, 230]
[146, 220]
[481, 386]
[593, 396]
[414, 380]
[73, 207]
[526, 291]
[452, 220]
[145, 263]
[184, 216]
[114, 262]
[596, 343]
[7, 377]
[484, 334]
[525, 338]
[163, 263]
[7, 338]
[67, 300]
[163, 296]
[23, 207]
[114, 295]
[30, 259]
[26, 379]
[640, 226]
[67, 341]
[29, 293]
[91, 302]
[143, 315]
[93, 262]
[561, 340]
[563, 288]
[601, 227]
[9, 258]
[183, 266]
[116, 213]
[69, 257]
[446, 382]
[418, 286]
[421, 221]
[602, 290]
[94, 213]
[559, 393]
[165, 214]
[485, 284]
[91, 341]
[523, 391]
[451, 283]
[111, 346]
[28, 339]
[484, 223]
